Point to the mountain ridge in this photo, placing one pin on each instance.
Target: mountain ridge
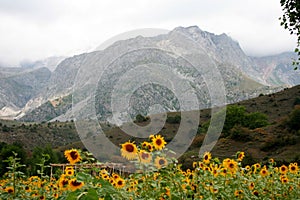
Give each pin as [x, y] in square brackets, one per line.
[223, 50]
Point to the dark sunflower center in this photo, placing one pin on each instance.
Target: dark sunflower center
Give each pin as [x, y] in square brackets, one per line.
[283, 169]
[161, 162]
[145, 155]
[129, 148]
[75, 183]
[74, 155]
[10, 190]
[120, 182]
[293, 168]
[64, 182]
[158, 142]
[231, 165]
[206, 157]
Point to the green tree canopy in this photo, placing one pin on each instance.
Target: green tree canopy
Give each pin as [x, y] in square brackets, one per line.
[290, 20]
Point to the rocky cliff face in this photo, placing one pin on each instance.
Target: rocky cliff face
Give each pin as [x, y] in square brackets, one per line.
[18, 86]
[277, 69]
[243, 77]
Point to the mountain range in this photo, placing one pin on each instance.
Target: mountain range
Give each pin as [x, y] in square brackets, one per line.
[42, 91]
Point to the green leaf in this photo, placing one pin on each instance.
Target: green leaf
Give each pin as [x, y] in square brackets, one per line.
[83, 177]
[90, 195]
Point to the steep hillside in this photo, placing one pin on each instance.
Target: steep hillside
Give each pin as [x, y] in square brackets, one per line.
[277, 69]
[17, 86]
[32, 86]
[276, 140]
[241, 80]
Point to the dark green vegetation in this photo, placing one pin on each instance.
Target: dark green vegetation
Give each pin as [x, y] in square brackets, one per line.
[264, 127]
[29, 161]
[290, 20]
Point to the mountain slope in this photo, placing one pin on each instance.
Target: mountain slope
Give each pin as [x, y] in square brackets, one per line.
[277, 69]
[234, 66]
[276, 140]
[244, 77]
[19, 86]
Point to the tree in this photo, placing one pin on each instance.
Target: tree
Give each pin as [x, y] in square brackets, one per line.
[291, 21]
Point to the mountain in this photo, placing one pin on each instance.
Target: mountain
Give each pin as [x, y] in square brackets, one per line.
[244, 77]
[18, 87]
[50, 63]
[277, 70]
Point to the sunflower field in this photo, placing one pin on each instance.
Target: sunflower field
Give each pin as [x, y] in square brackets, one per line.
[157, 176]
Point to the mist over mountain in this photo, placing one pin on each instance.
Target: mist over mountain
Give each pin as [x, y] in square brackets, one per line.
[29, 92]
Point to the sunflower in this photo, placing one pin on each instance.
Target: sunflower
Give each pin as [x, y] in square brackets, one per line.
[284, 179]
[150, 147]
[145, 157]
[247, 168]
[158, 142]
[115, 176]
[195, 164]
[293, 167]
[238, 193]
[74, 184]
[206, 157]
[72, 156]
[264, 172]
[160, 162]
[251, 186]
[145, 145]
[42, 197]
[69, 171]
[151, 137]
[223, 171]
[255, 193]
[232, 166]
[240, 156]
[9, 190]
[63, 182]
[55, 195]
[105, 176]
[283, 169]
[119, 183]
[129, 150]
[215, 169]
[27, 189]
[168, 192]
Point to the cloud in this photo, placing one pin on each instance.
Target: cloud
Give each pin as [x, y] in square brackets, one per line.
[35, 29]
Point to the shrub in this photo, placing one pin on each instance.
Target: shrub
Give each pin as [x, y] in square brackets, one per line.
[297, 101]
[174, 120]
[294, 119]
[140, 118]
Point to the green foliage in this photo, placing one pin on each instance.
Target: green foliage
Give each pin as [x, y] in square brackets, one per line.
[237, 116]
[291, 21]
[297, 101]
[255, 120]
[140, 118]
[294, 119]
[38, 155]
[9, 150]
[174, 120]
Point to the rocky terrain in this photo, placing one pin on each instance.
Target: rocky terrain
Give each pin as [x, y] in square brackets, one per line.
[26, 93]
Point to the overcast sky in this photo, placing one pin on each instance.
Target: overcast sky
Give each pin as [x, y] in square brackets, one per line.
[35, 29]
